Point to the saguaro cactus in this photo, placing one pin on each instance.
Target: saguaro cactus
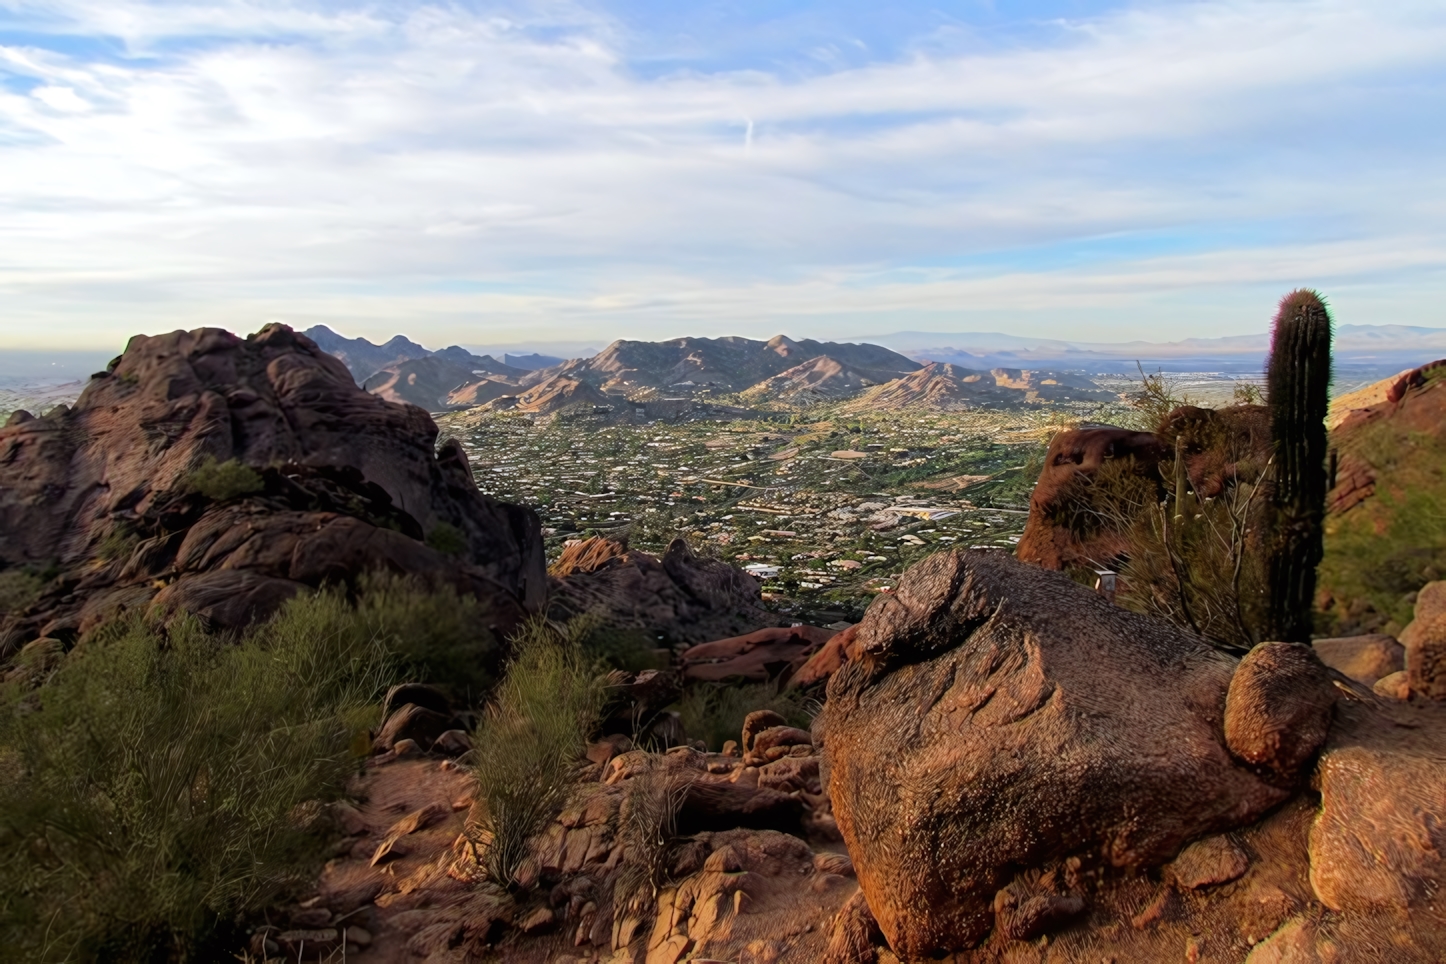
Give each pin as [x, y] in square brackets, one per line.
[1298, 381]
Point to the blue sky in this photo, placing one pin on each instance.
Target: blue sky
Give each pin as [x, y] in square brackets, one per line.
[518, 173]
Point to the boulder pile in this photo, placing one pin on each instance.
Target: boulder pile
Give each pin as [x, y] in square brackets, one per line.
[1010, 757]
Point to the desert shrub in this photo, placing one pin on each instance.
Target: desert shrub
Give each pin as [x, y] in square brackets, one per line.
[160, 786]
[648, 831]
[223, 481]
[530, 743]
[714, 712]
[118, 543]
[1157, 396]
[18, 589]
[433, 633]
[1379, 553]
[447, 539]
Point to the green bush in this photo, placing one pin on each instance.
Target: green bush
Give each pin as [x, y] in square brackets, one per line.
[223, 481]
[161, 787]
[530, 743]
[18, 589]
[714, 712]
[434, 634]
[447, 539]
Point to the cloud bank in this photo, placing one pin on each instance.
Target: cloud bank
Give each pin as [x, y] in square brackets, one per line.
[492, 173]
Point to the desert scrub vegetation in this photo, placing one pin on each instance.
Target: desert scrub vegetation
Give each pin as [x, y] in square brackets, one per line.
[714, 712]
[162, 786]
[18, 589]
[530, 744]
[434, 633]
[223, 481]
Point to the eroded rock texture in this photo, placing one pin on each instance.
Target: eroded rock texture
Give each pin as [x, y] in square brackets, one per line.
[680, 596]
[341, 482]
[999, 717]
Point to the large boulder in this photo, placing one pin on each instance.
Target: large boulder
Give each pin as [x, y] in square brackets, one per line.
[680, 596]
[318, 482]
[1378, 840]
[997, 717]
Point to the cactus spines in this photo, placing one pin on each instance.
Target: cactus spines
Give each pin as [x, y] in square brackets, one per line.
[1298, 379]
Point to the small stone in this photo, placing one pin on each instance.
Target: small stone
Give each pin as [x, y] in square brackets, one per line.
[1205, 863]
[1396, 686]
[537, 921]
[405, 748]
[359, 936]
[452, 743]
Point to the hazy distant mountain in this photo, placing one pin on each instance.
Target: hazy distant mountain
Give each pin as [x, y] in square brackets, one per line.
[532, 362]
[553, 394]
[941, 386]
[727, 364]
[360, 356]
[424, 382]
[1358, 348]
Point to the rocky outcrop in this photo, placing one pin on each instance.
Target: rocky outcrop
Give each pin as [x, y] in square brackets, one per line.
[757, 656]
[1364, 659]
[680, 597]
[1088, 470]
[221, 475]
[1071, 462]
[998, 718]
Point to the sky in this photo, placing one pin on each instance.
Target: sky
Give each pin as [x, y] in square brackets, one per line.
[551, 171]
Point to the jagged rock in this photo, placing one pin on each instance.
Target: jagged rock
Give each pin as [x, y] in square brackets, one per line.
[452, 743]
[755, 723]
[757, 656]
[985, 689]
[1027, 919]
[680, 596]
[826, 659]
[1364, 659]
[1278, 708]
[339, 482]
[776, 742]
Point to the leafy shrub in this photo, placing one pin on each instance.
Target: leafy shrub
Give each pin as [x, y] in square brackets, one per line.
[447, 539]
[223, 481]
[648, 831]
[118, 543]
[161, 787]
[714, 712]
[530, 743]
[434, 634]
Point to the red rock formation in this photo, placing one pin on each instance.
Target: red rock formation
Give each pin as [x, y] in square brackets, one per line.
[757, 656]
[998, 718]
[339, 482]
[680, 596]
[1074, 456]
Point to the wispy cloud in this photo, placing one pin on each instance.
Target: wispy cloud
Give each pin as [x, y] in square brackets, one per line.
[489, 172]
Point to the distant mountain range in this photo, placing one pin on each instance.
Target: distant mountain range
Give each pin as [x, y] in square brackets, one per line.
[778, 370]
